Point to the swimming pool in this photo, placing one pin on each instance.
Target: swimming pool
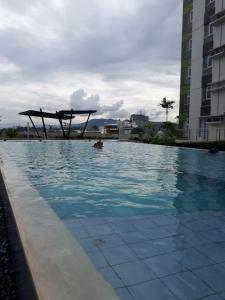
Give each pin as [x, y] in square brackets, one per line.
[123, 179]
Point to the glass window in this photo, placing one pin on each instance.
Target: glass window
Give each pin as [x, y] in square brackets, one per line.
[188, 72]
[207, 61]
[209, 29]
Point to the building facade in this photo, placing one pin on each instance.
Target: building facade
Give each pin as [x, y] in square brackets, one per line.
[202, 92]
[138, 120]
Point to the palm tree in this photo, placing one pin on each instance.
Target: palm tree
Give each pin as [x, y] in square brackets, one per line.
[167, 105]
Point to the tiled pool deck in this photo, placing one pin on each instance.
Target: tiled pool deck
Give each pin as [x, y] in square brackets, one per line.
[158, 257]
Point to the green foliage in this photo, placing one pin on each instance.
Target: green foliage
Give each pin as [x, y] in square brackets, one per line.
[169, 128]
[184, 90]
[149, 125]
[137, 130]
[11, 133]
[167, 105]
[183, 117]
[95, 127]
[185, 63]
[166, 139]
[187, 7]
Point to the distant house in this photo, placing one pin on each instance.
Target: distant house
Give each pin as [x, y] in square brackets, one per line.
[109, 129]
[125, 127]
[138, 120]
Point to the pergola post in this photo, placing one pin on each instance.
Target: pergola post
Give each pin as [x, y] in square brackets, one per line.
[43, 122]
[71, 116]
[34, 127]
[82, 134]
[61, 124]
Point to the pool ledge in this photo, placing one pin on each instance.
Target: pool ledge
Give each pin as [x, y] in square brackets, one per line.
[58, 265]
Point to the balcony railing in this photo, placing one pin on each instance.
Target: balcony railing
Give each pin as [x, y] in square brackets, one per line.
[205, 110]
[218, 18]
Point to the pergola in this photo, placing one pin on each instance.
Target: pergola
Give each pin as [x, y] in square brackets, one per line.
[60, 116]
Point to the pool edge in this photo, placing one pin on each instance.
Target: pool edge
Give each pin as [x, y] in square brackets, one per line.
[69, 274]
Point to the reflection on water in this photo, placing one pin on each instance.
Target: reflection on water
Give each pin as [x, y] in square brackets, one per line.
[122, 179]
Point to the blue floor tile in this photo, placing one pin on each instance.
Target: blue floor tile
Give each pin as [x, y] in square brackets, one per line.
[187, 286]
[166, 220]
[176, 229]
[192, 258]
[123, 227]
[215, 235]
[156, 233]
[92, 221]
[164, 265]
[109, 241]
[214, 276]
[99, 230]
[144, 224]
[88, 244]
[134, 272]
[154, 290]
[124, 294]
[98, 259]
[145, 249]
[110, 276]
[214, 251]
[132, 237]
[199, 226]
[214, 297]
[119, 255]
[79, 232]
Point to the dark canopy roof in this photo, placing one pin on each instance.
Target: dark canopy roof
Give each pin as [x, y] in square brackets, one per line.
[77, 112]
[36, 113]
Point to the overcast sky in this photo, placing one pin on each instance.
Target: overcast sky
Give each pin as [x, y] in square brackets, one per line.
[119, 56]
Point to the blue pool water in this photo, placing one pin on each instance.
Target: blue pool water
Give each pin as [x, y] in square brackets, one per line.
[123, 179]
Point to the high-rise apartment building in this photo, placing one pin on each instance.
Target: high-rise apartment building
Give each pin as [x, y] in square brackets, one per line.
[202, 92]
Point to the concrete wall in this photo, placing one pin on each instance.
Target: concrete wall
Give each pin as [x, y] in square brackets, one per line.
[196, 64]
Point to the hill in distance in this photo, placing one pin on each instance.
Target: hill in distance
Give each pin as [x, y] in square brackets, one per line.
[96, 122]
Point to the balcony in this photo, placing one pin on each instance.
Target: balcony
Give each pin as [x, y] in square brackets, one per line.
[215, 119]
[209, 12]
[207, 71]
[208, 44]
[218, 52]
[210, 7]
[206, 80]
[218, 18]
[217, 86]
[205, 110]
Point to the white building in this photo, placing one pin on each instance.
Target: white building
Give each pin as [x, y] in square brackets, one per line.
[203, 70]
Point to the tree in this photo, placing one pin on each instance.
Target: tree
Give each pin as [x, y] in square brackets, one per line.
[137, 130]
[182, 119]
[149, 125]
[167, 105]
[11, 132]
[169, 127]
[95, 127]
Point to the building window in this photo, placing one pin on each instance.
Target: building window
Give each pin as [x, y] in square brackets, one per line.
[209, 2]
[209, 30]
[207, 62]
[191, 17]
[206, 93]
[188, 73]
[189, 45]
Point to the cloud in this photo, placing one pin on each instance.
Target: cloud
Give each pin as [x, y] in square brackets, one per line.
[81, 101]
[119, 49]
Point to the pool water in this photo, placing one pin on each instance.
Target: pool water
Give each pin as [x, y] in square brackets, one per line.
[122, 179]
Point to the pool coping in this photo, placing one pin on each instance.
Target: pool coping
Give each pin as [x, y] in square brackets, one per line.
[69, 273]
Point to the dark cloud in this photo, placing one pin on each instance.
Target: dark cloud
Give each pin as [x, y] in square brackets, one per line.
[127, 45]
[141, 38]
